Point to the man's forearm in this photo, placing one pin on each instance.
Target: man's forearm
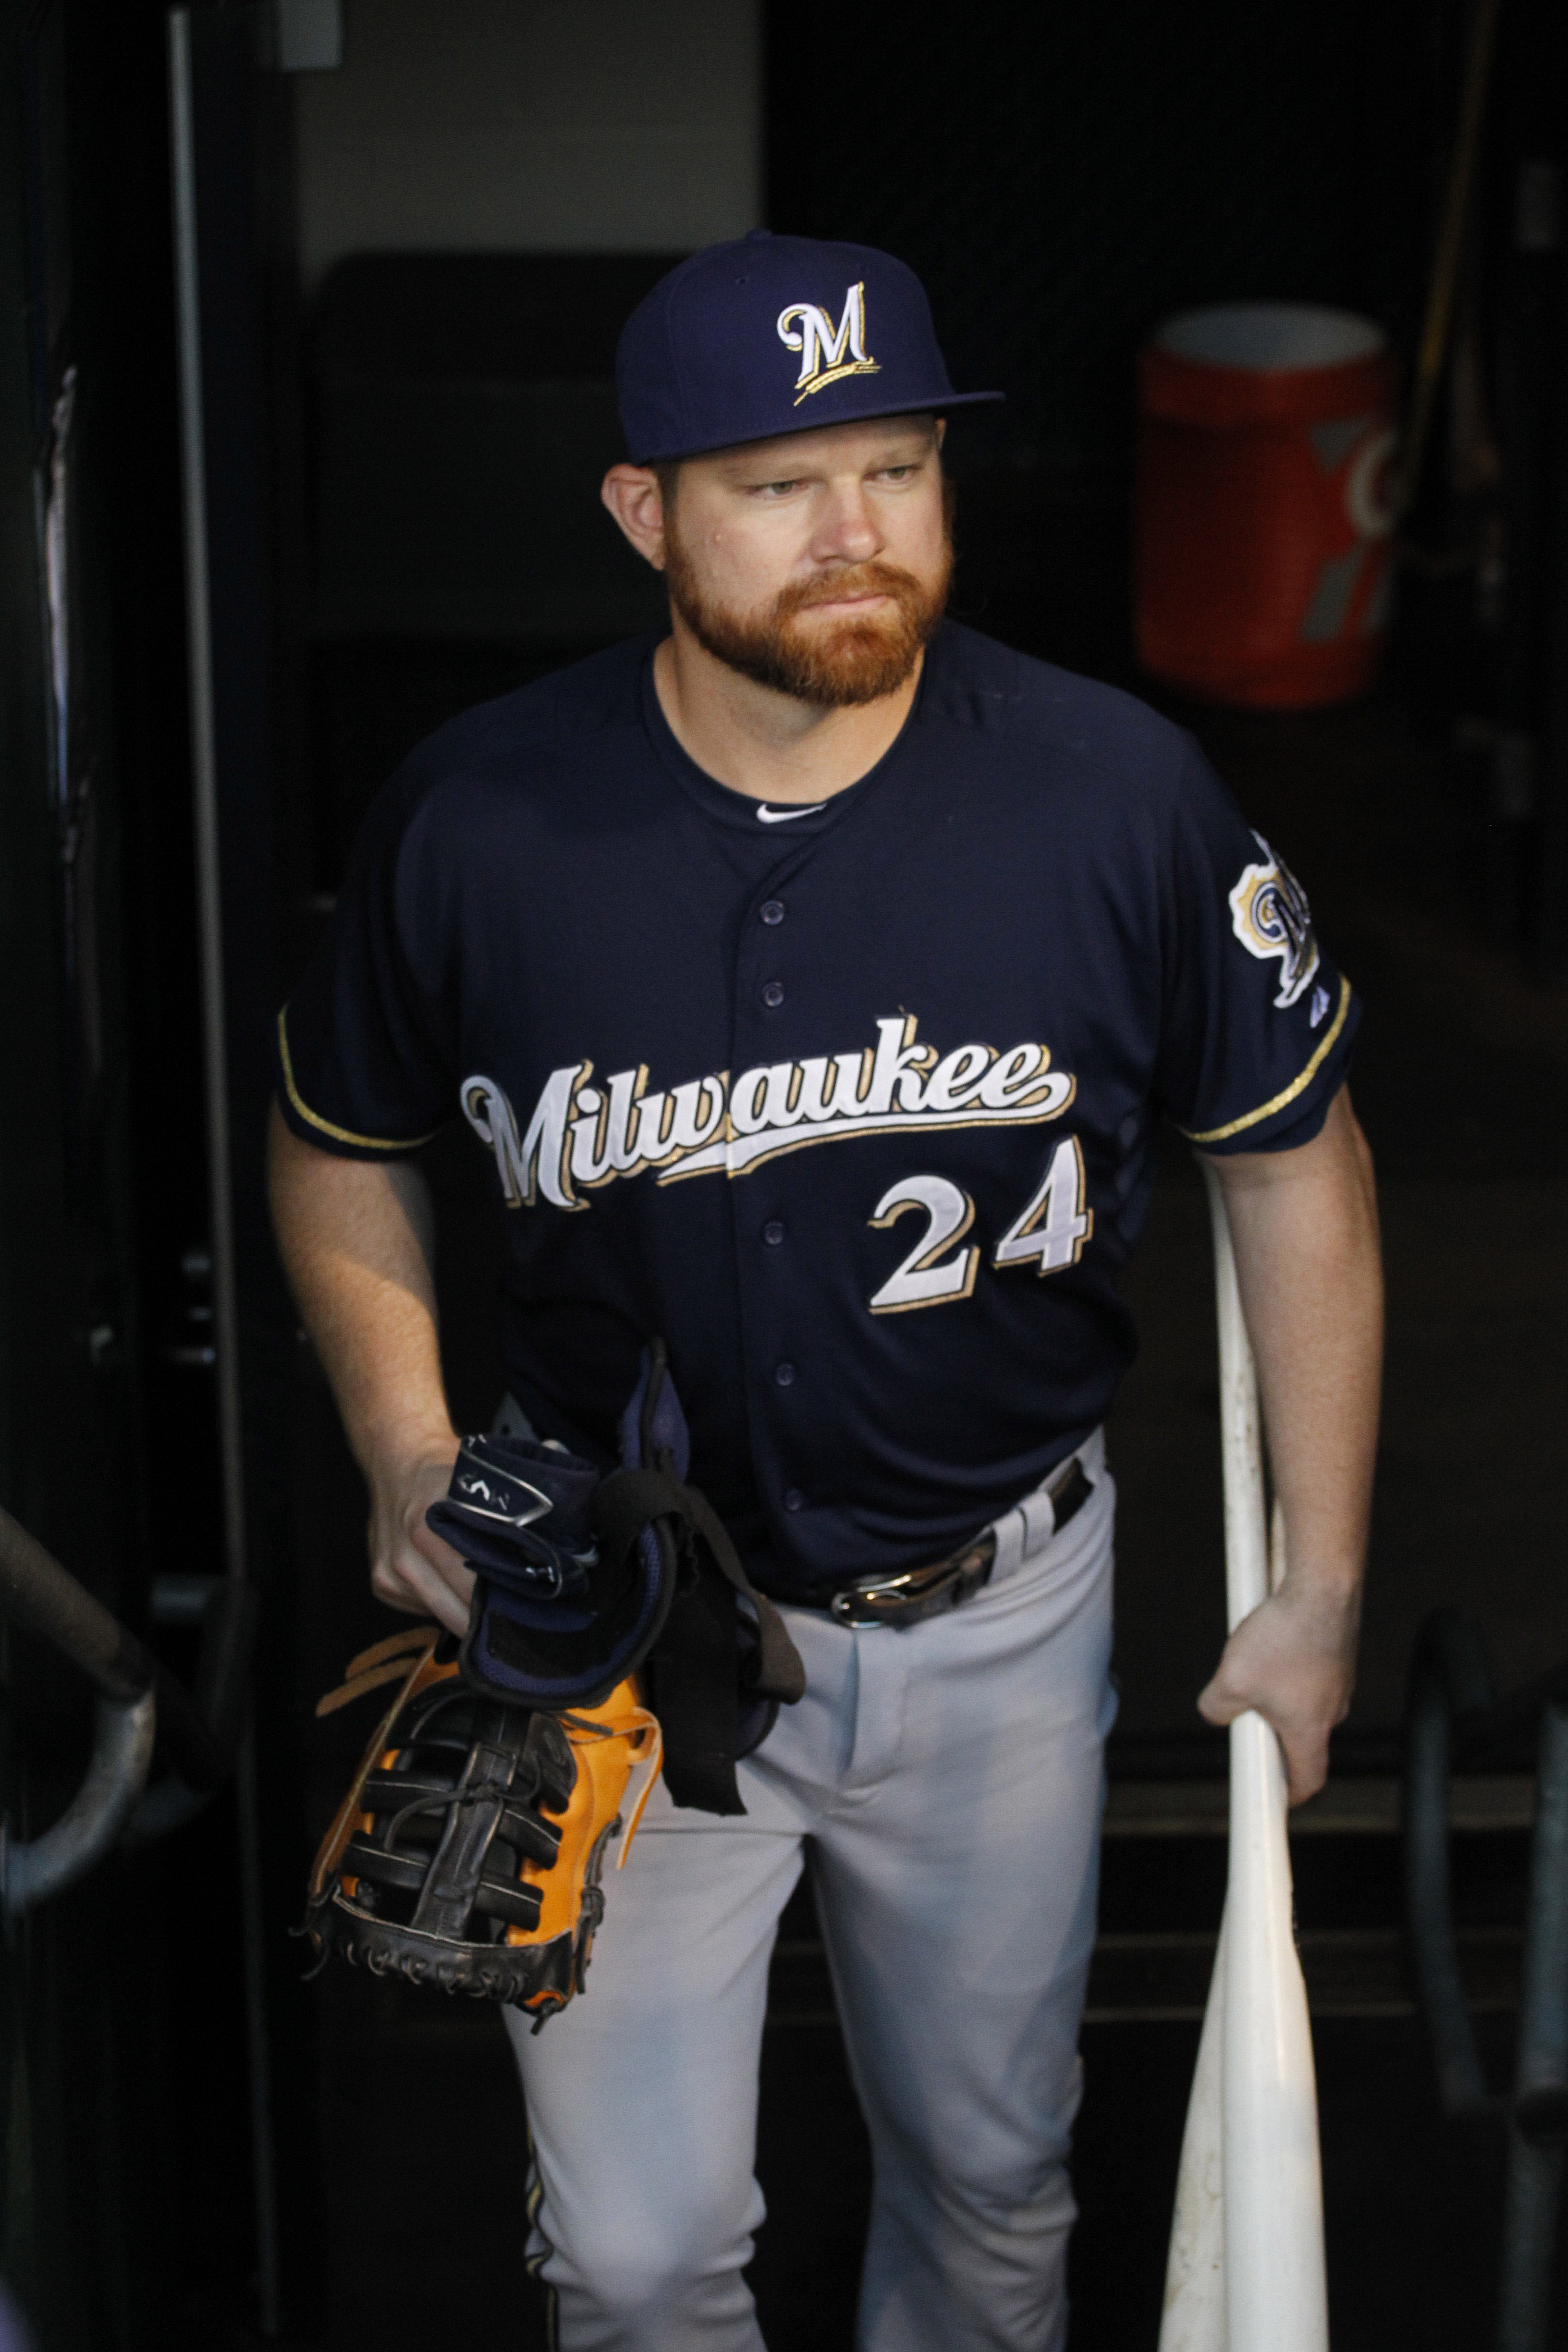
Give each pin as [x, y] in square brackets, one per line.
[354, 1237]
[1304, 1226]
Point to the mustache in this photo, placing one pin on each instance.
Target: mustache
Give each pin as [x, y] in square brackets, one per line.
[872, 579]
[857, 659]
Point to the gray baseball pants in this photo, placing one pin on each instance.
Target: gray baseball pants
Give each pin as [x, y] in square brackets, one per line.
[945, 1783]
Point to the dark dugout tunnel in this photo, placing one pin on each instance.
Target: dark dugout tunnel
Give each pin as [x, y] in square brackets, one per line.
[305, 393]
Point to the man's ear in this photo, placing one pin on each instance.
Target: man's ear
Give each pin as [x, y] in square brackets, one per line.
[633, 495]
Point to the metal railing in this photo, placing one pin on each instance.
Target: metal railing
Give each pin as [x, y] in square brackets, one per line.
[1453, 1717]
[139, 1705]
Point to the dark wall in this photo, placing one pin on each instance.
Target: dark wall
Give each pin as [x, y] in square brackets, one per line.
[1063, 177]
[122, 2149]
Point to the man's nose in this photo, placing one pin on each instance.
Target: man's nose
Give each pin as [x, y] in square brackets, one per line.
[848, 529]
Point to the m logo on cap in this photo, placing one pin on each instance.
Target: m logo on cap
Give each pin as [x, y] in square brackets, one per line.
[821, 345]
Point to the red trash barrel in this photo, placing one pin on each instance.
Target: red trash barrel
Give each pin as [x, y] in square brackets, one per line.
[1261, 556]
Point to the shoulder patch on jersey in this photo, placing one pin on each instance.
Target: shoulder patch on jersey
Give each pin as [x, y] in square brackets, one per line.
[1270, 917]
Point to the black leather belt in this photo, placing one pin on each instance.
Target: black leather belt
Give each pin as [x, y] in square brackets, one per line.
[947, 1583]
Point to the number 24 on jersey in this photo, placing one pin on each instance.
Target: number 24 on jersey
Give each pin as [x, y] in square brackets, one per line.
[1050, 1229]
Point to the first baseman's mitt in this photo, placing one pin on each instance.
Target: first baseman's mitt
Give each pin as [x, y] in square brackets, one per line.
[467, 1852]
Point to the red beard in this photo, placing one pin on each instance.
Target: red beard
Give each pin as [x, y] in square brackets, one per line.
[857, 660]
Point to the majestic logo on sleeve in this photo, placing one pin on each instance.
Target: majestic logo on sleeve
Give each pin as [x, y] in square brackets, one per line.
[828, 352]
[582, 1135]
[1270, 917]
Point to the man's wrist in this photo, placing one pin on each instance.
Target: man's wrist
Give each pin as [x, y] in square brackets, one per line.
[394, 1452]
[1325, 1610]
[1333, 1586]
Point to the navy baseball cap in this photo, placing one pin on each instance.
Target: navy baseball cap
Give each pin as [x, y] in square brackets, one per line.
[777, 334]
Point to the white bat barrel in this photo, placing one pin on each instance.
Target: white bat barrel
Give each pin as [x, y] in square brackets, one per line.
[1247, 2271]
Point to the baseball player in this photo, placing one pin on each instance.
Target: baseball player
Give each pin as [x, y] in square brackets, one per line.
[813, 981]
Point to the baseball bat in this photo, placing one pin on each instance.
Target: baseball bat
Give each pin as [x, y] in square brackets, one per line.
[1246, 2271]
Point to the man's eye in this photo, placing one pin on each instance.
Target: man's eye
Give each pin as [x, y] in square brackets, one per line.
[897, 473]
[775, 490]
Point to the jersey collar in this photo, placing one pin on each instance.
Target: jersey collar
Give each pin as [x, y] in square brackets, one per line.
[739, 811]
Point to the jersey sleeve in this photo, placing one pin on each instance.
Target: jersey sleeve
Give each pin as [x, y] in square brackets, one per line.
[1258, 1025]
[361, 1065]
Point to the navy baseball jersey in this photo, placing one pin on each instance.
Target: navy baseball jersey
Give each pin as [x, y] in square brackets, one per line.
[854, 1104]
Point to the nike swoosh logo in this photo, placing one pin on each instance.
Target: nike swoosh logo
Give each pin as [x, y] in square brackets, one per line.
[765, 816]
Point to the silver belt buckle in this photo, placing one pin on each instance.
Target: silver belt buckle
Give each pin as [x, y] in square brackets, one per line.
[919, 1591]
